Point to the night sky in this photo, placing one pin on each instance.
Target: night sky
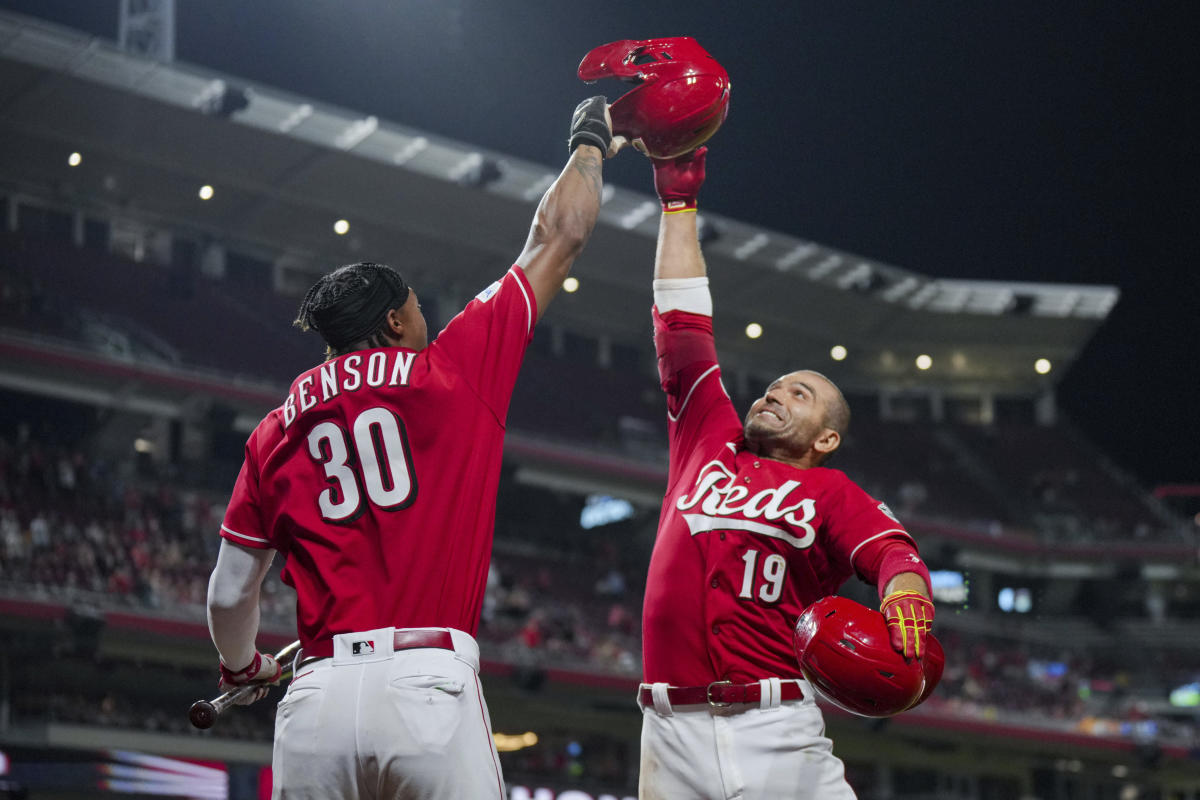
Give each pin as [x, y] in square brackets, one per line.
[1019, 140]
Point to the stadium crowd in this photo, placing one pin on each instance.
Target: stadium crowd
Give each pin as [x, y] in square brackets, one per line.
[79, 528]
[971, 474]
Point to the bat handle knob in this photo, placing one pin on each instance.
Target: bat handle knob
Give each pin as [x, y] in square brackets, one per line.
[202, 714]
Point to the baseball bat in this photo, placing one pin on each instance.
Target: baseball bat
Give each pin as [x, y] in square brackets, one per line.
[204, 713]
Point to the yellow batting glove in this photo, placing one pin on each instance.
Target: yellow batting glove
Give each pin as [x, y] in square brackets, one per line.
[909, 617]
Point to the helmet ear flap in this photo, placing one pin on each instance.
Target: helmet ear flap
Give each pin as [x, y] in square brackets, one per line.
[934, 664]
[610, 60]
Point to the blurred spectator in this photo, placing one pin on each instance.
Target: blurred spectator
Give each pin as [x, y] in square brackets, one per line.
[612, 584]
[75, 527]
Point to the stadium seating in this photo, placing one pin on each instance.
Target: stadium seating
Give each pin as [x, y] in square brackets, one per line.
[81, 526]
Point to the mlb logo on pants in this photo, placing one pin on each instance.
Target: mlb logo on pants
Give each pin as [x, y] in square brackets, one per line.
[364, 648]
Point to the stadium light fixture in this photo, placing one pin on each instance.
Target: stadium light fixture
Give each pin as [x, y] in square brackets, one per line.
[75, 159]
[838, 352]
[1042, 366]
[571, 285]
[754, 330]
[924, 362]
[206, 192]
[341, 227]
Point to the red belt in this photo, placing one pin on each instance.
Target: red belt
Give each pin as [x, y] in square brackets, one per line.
[404, 639]
[719, 694]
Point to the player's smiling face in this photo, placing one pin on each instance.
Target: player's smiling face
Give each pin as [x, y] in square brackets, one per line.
[789, 419]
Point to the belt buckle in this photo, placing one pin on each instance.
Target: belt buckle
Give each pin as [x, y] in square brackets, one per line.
[717, 703]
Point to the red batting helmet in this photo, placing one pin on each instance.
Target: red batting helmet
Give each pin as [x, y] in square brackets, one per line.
[933, 662]
[681, 97]
[845, 652]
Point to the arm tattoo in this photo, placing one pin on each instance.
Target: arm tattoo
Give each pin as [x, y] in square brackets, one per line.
[589, 167]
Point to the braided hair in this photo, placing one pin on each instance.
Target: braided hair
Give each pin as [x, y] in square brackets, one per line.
[350, 305]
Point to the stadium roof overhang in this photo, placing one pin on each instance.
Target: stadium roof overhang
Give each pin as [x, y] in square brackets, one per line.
[453, 215]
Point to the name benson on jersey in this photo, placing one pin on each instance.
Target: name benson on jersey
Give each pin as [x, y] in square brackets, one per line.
[383, 368]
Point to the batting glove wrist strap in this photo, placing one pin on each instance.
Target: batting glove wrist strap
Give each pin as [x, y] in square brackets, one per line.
[262, 668]
[909, 617]
[589, 125]
[678, 180]
[242, 675]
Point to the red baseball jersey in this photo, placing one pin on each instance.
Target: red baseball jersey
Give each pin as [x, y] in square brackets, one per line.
[744, 543]
[377, 477]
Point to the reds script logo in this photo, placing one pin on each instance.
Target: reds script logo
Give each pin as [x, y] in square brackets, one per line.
[727, 506]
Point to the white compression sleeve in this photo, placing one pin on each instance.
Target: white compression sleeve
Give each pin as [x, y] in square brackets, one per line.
[683, 294]
[233, 592]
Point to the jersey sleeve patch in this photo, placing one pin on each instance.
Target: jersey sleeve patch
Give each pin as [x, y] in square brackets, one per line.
[489, 292]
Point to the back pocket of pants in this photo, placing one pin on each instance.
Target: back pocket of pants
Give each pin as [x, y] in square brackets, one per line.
[429, 708]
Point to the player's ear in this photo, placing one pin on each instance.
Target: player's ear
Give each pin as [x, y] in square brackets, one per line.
[827, 441]
[395, 321]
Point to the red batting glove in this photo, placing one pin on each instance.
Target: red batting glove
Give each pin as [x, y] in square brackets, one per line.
[677, 180]
[909, 616]
[263, 670]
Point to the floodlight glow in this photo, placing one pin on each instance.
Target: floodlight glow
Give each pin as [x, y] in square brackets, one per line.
[570, 285]
[948, 586]
[754, 330]
[1042, 366]
[206, 192]
[1022, 601]
[508, 743]
[75, 159]
[924, 361]
[602, 510]
[837, 353]
[341, 227]
[1186, 696]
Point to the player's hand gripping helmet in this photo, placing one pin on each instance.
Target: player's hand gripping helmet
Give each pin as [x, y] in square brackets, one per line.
[681, 97]
[845, 652]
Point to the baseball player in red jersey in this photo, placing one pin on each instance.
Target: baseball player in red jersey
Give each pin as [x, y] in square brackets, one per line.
[376, 478]
[753, 530]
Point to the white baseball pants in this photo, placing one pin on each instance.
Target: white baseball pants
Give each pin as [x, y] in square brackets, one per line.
[408, 725]
[768, 751]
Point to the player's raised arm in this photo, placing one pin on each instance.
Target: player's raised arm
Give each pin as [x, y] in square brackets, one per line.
[680, 274]
[677, 181]
[567, 212]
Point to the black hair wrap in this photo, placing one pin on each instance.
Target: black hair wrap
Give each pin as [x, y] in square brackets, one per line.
[352, 302]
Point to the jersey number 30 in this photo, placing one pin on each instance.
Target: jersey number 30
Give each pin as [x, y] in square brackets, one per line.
[381, 465]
